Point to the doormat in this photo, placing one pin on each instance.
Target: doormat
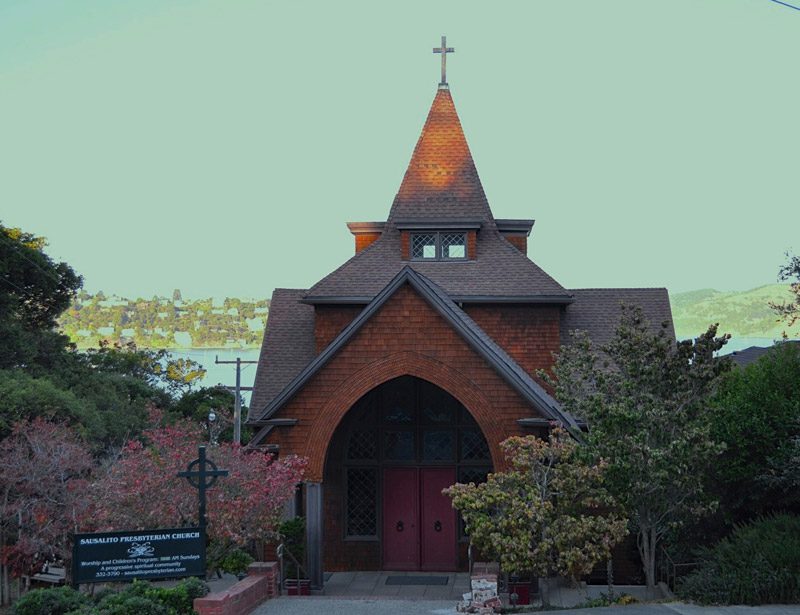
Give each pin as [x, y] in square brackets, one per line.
[401, 580]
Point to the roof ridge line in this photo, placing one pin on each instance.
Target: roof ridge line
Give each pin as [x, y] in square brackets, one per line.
[441, 302]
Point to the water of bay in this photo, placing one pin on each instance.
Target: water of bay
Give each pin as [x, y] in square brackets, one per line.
[222, 374]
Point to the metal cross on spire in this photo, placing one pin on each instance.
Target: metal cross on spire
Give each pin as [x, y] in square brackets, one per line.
[444, 50]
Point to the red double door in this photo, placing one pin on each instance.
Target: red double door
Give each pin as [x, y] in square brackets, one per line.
[419, 523]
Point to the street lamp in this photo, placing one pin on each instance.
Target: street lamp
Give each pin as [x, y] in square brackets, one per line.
[212, 428]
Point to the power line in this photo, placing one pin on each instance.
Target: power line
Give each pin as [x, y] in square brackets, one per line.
[16, 247]
[791, 6]
[7, 281]
[237, 407]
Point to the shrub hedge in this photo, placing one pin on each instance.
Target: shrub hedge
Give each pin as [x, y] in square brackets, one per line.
[139, 598]
[759, 563]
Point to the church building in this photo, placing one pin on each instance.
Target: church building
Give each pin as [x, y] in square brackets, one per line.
[400, 372]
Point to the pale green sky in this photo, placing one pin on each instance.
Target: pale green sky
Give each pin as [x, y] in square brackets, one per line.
[220, 146]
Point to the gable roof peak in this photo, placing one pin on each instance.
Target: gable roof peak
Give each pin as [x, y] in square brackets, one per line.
[441, 180]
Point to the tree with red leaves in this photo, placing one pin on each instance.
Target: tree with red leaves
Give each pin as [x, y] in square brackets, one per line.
[44, 469]
[140, 490]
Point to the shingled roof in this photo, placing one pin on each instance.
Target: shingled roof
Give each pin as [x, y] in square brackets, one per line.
[287, 348]
[478, 339]
[441, 184]
[598, 311]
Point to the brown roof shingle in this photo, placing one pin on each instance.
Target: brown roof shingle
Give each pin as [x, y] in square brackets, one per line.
[598, 311]
[287, 348]
[441, 180]
[482, 343]
[442, 183]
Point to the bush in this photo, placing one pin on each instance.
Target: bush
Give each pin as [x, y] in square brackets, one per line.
[138, 598]
[54, 601]
[179, 598]
[150, 600]
[125, 603]
[235, 562]
[758, 563]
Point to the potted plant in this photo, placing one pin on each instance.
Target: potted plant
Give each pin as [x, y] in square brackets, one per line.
[293, 534]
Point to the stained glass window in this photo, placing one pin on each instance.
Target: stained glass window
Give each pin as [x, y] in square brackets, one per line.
[399, 445]
[438, 446]
[437, 405]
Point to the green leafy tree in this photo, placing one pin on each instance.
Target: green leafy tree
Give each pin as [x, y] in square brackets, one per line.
[104, 392]
[34, 291]
[196, 405]
[756, 413]
[790, 312]
[24, 397]
[645, 399]
[182, 374]
[550, 513]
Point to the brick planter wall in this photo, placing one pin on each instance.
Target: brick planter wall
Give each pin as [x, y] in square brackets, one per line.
[260, 584]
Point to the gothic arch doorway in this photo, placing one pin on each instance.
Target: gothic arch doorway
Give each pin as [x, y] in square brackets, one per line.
[390, 458]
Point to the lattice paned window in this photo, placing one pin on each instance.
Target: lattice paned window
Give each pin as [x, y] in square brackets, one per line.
[423, 246]
[473, 475]
[438, 445]
[454, 245]
[439, 246]
[470, 475]
[362, 446]
[362, 491]
[474, 446]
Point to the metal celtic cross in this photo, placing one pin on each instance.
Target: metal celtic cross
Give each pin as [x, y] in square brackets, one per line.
[202, 473]
[444, 50]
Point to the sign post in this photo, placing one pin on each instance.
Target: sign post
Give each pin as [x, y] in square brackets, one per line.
[149, 554]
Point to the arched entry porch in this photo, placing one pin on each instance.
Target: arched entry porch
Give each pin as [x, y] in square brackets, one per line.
[388, 460]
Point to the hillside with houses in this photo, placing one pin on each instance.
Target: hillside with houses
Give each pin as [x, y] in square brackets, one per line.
[172, 323]
[162, 322]
[740, 313]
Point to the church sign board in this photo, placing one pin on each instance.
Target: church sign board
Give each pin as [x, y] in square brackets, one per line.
[148, 554]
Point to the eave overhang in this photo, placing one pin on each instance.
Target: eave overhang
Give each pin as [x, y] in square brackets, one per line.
[460, 299]
[506, 367]
[437, 224]
[514, 226]
[366, 228]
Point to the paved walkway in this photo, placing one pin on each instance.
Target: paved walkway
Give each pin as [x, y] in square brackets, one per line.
[373, 585]
[393, 606]
[366, 593]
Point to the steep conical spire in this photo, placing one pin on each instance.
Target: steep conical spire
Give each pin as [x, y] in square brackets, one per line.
[441, 180]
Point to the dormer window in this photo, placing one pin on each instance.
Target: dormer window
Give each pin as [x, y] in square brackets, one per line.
[437, 246]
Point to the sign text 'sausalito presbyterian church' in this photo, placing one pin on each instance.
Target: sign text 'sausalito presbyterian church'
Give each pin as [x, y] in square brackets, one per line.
[400, 372]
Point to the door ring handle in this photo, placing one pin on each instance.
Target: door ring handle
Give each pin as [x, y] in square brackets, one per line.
[437, 526]
[399, 526]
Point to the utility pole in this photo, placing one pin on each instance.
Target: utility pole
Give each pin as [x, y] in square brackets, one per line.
[237, 406]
